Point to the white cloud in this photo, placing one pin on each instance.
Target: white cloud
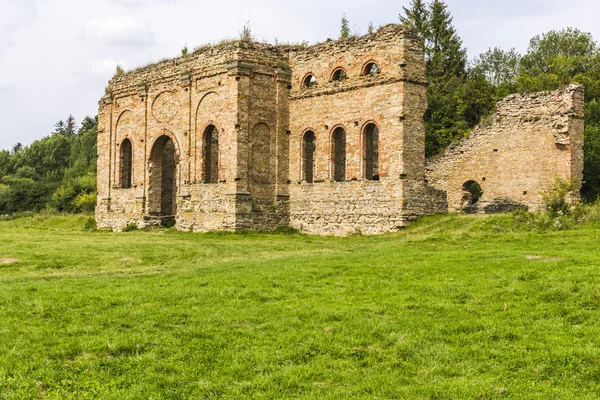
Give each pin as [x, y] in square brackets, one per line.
[129, 3]
[121, 30]
[7, 89]
[15, 15]
[105, 67]
[137, 3]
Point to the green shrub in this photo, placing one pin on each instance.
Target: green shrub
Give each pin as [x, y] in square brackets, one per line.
[86, 202]
[561, 211]
[585, 213]
[541, 221]
[90, 224]
[287, 230]
[130, 228]
[558, 199]
[76, 194]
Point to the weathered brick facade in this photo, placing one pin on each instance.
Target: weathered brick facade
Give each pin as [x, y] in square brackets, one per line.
[217, 139]
[328, 139]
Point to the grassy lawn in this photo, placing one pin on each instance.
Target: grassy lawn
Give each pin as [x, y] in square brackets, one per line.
[452, 308]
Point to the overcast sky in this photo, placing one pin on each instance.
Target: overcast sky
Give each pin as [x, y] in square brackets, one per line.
[56, 56]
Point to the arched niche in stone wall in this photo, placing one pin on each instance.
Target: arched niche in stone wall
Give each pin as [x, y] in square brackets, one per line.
[308, 156]
[207, 111]
[210, 156]
[165, 106]
[126, 160]
[163, 166]
[338, 154]
[124, 123]
[370, 151]
[260, 156]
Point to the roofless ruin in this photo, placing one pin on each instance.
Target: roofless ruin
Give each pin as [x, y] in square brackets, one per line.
[328, 139]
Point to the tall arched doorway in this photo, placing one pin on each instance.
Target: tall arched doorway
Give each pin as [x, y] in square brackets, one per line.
[162, 188]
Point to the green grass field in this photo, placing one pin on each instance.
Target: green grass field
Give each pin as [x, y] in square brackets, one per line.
[455, 307]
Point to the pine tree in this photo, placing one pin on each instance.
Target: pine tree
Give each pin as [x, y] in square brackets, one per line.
[444, 51]
[59, 128]
[88, 123]
[17, 148]
[345, 29]
[70, 127]
[441, 44]
[451, 112]
[417, 18]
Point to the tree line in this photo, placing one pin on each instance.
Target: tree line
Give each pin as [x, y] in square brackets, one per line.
[56, 172]
[461, 93]
[59, 171]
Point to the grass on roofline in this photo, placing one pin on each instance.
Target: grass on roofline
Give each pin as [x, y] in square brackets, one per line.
[451, 308]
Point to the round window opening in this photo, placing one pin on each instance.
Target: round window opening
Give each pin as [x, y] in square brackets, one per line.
[371, 69]
[339, 75]
[309, 81]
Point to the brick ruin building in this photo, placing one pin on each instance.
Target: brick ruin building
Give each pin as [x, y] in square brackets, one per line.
[328, 139]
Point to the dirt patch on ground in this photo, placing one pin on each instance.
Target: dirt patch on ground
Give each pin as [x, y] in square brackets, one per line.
[130, 260]
[9, 260]
[552, 259]
[542, 259]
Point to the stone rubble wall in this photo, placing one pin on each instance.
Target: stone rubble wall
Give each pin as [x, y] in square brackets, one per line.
[341, 208]
[517, 153]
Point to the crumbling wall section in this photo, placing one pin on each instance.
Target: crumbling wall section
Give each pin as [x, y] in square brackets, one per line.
[516, 154]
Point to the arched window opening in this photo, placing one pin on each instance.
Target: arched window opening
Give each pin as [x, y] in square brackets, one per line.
[309, 81]
[371, 152]
[338, 75]
[211, 154]
[338, 154]
[308, 156]
[126, 163]
[371, 69]
[472, 193]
